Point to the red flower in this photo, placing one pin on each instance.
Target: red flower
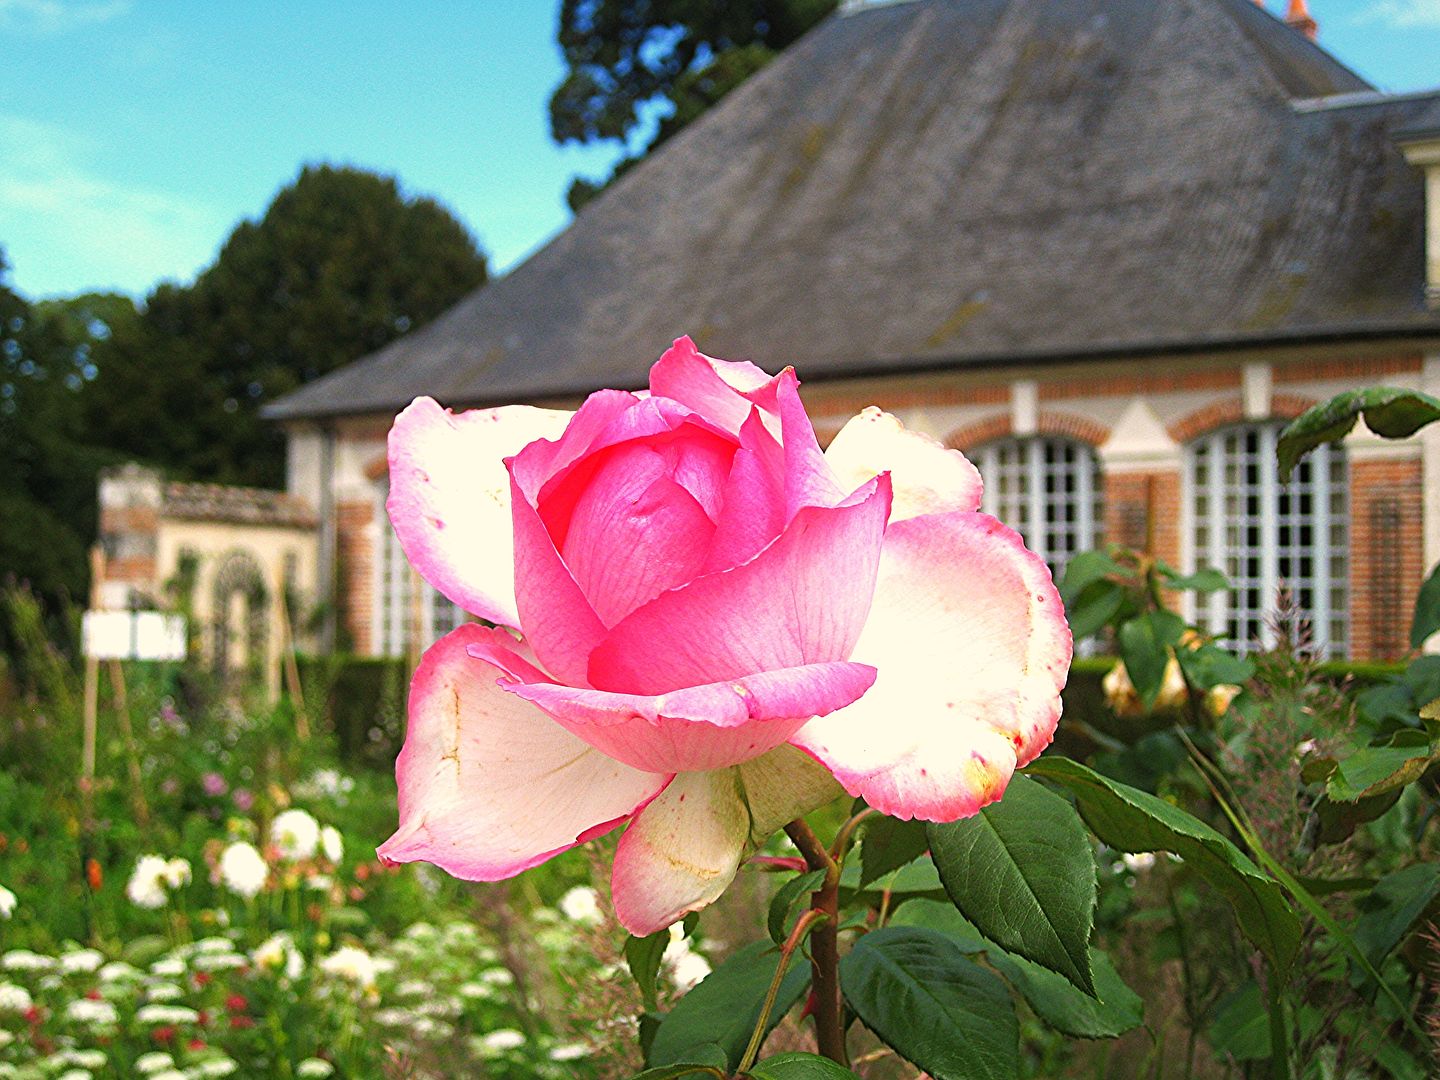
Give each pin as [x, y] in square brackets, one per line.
[241, 1022]
[163, 1034]
[93, 995]
[236, 1003]
[202, 978]
[203, 1019]
[195, 1045]
[94, 876]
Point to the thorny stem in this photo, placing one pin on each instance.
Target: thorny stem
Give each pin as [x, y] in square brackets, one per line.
[797, 935]
[824, 944]
[847, 833]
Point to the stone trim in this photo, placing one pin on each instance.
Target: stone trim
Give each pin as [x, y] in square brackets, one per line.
[1002, 425]
[1232, 411]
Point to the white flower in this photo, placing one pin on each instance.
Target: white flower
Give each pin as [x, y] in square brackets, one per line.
[25, 960]
[146, 887]
[177, 873]
[414, 988]
[7, 903]
[348, 962]
[5, 1040]
[581, 904]
[476, 991]
[85, 1011]
[243, 870]
[569, 1052]
[1140, 860]
[166, 1014]
[689, 969]
[296, 834]
[314, 1068]
[219, 961]
[14, 998]
[332, 844]
[118, 970]
[81, 961]
[169, 1074]
[497, 977]
[214, 1067]
[86, 1059]
[497, 1042]
[318, 882]
[278, 953]
[76, 1074]
[170, 967]
[154, 1061]
[163, 992]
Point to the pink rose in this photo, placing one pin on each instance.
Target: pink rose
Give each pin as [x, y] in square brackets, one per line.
[721, 627]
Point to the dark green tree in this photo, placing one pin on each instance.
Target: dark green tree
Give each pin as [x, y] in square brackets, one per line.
[626, 57]
[340, 264]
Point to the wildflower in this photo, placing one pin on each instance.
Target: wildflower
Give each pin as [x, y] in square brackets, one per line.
[7, 903]
[118, 971]
[153, 1061]
[314, 1068]
[146, 887]
[25, 960]
[331, 843]
[82, 961]
[166, 1014]
[214, 1067]
[85, 1011]
[581, 904]
[243, 870]
[168, 967]
[278, 953]
[243, 798]
[916, 658]
[14, 999]
[569, 1052]
[177, 873]
[295, 834]
[501, 1040]
[351, 963]
[214, 784]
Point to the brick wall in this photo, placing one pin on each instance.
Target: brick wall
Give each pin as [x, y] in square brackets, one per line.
[355, 586]
[1142, 510]
[1387, 560]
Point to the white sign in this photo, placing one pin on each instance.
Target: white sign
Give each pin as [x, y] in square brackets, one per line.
[133, 635]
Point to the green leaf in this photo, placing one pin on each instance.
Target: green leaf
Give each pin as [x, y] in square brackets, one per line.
[800, 1067]
[1389, 412]
[932, 1004]
[706, 1060]
[1375, 770]
[1145, 644]
[1426, 619]
[1084, 570]
[918, 878]
[1095, 608]
[1210, 666]
[1336, 822]
[1241, 1029]
[725, 1006]
[1392, 908]
[1132, 820]
[1054, 1000]
[1023, 871]
[786, 897]
[642, 956]
[1204, 580]
[889, 844]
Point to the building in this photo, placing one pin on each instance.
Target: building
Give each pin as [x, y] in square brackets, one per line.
[239, 563]
[1106, 247]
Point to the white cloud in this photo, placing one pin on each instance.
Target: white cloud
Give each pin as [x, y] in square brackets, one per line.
[61, 219]
[1404, 14]
[46, 17]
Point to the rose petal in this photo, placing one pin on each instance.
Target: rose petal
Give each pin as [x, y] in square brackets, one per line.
[450, 497]
[634, 533]
[719, 390]
[558, 621]
[701, 727]
[928, 477]
[809, 480]
[682, 850]
[803, 600]
[490, 785]
[753, 508]
[538, 462]
[971, 644]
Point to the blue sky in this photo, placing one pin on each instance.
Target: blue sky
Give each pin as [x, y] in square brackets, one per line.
[134, 134]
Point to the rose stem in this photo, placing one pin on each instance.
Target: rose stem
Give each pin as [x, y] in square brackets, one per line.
[797, 935]
[824, 946]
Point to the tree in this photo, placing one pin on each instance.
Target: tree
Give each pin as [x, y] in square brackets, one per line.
[48, 463]
[340, 264]
[625, 58]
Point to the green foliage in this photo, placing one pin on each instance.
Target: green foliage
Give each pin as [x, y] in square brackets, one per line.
[642, 957]
[799, 1067]
[1145, 646]
[724, 1009]
[1021, 870]
[786, 898]
[627, 60]
[1135, 821]
[933, 1004]
[889, 844]
[1390, 413]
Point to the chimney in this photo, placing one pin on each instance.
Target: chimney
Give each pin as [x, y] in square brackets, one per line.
[1298, 18]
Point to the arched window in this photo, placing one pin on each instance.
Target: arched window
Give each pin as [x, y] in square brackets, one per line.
[1048, 490]
[1267, 535]
[403, 612]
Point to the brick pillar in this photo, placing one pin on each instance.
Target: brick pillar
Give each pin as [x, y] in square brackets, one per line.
[1387, 558]
[130, 498]
[1144, 506]
[355, 584]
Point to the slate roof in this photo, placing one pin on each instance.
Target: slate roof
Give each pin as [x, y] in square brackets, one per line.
[236, 505]
[948, 183]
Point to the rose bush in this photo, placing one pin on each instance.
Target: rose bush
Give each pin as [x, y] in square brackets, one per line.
[720, 627]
